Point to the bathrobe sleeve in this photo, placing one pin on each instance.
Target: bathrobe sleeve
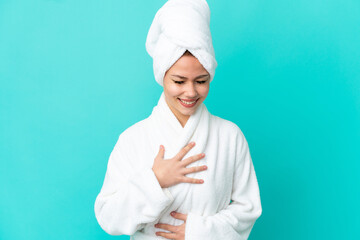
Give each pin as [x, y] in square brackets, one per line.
[130, 196]
[237, 219]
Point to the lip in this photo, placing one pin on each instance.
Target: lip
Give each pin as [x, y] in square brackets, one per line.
[188, 106]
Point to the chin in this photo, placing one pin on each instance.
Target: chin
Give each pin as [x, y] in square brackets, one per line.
[188, 113]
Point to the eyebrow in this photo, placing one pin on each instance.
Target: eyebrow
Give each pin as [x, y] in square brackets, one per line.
[182, 77]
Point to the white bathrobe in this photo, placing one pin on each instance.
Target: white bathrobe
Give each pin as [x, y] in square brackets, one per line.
[132, 201]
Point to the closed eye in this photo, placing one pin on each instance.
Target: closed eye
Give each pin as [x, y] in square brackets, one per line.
[181, 82]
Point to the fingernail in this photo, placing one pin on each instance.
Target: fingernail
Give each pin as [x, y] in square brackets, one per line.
[172, 213]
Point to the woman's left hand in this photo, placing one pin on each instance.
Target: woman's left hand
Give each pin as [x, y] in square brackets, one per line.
[176, 232]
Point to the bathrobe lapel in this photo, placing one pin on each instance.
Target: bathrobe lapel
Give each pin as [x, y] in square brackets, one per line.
[167, 130]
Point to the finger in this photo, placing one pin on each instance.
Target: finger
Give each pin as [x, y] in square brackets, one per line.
[161, 152]
[166, 235]
[193, 158]
[168, 227]
[195, 169]
[192, 180]
[178, 215]
[184, 150]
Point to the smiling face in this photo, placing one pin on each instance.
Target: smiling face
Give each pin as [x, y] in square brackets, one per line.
[186, 85]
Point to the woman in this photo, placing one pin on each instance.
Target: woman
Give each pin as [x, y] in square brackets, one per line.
[201, 183]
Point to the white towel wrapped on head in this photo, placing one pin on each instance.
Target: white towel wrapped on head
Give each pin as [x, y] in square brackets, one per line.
[178, 26]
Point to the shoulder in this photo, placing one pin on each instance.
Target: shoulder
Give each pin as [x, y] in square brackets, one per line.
[235, 134]
[229, 130]
[226, 125]
[135, 131]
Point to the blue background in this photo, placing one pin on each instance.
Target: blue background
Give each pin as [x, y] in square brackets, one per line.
[75, 74]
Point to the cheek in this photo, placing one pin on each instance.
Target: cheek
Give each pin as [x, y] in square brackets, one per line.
[203, 90]
[172, 90]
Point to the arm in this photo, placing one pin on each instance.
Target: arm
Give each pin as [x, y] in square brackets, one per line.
[129, 198]
[237, 219]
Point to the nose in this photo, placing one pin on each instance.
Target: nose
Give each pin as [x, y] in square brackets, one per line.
[191, 90]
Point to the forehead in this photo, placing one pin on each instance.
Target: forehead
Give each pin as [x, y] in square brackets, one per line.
[187, 65]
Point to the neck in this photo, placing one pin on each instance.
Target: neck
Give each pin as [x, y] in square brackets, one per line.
[183, 120]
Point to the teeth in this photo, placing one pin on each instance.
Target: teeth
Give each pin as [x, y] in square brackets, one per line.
[187, 102]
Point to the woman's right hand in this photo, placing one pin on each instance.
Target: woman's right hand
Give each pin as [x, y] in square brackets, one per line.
[172, 171]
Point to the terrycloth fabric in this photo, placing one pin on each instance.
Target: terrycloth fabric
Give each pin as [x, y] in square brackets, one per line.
[178, 26]
[131, 200]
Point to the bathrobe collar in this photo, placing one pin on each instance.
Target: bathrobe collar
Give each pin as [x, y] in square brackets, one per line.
[170, 127]
[167, 130]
